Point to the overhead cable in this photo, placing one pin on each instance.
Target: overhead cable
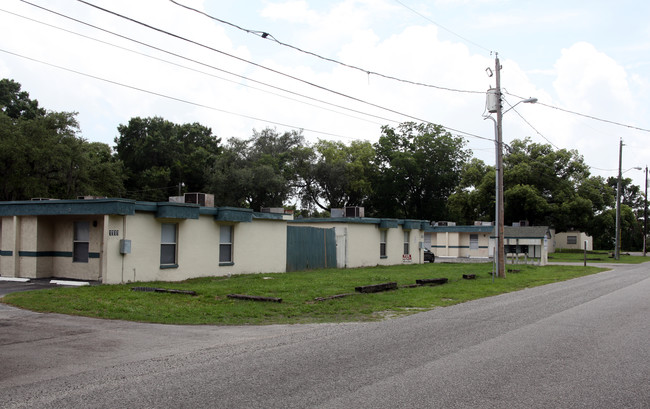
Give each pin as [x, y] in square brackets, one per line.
[583, 115]
[170, 97]
[267, 68]
[194, 61]
[512, 107]
[444, 28]
[267, 36]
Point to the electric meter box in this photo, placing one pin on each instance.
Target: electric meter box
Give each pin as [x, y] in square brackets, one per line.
[125, 246]
[493, 102]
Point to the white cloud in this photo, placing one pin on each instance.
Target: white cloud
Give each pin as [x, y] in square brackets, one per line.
[592, 82]
[292, 11]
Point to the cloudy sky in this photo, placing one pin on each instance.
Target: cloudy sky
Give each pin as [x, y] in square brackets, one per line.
[156, 58]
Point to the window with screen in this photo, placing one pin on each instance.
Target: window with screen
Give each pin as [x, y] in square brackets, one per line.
[225, 244]
[168, 242]
[81, 242]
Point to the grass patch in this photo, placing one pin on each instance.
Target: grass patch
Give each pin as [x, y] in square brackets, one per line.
[599, 256]
[298, 291]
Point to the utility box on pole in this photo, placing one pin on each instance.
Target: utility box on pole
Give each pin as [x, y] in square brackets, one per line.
[493, 102]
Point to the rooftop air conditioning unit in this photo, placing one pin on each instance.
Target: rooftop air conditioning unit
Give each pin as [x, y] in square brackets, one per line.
[202, 199]
[337, 212]
[354, 211]
[278, 210]
[90, 197]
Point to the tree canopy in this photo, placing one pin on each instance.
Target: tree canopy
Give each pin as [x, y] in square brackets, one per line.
[418, 168]
[340, 175]
[42, 154]
[158, 155]
[262, 171]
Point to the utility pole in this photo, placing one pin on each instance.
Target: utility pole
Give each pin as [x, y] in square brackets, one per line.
[645, 212]
[617, 251]
[501, 268]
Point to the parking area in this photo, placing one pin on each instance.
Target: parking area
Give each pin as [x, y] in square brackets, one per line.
[7, 286]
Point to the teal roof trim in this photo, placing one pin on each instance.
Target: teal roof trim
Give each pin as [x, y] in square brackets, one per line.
[460, 229]
[171, 210]
[68, 207]
[412, 224]
[388, 224]
[353, 220]
[268, 216]
[381, 223]
[234, 214]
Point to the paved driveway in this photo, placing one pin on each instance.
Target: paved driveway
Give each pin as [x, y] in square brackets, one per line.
[580, 343]
[7, 287]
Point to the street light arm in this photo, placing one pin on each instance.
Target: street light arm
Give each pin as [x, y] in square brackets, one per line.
[525, 101]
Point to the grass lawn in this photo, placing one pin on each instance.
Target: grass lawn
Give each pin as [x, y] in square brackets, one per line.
[598, 256]
[298, 292]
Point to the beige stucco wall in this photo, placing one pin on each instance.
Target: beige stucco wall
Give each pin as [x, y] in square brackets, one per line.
[561, 241]
[7, 246]
[538, 247]
[258, 246]
[457, 244]
[41, 246]
[27, 229]
[63, 228]
[45, 239]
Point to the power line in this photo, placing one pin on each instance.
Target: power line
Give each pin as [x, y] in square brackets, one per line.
[209, 74]
[270, 69]
[170, 97]
[196, 62]
[267, 36]
[584, 115]
[463, 133]
[512, 107]
[444, 28]
[251, 62]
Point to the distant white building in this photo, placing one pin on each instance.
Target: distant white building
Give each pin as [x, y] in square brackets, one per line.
[575, 240]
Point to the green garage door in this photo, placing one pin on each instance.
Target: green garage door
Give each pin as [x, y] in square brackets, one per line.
[310, 247]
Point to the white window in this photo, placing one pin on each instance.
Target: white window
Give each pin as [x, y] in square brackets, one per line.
[571, 239]
[168, 244]
[382, 242]
[407, 236]
[81, 242]
[225, 244]
[473, 241]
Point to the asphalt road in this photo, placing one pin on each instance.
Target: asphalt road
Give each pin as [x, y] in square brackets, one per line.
[583, 343]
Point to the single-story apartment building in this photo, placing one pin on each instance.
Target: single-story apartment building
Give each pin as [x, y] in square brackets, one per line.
[122, 240]
[524, 244]
[460, 241]
[575, 240]
[521, 243]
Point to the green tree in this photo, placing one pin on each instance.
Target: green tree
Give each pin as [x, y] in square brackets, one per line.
[418, 168]
[541, 186]
[339, 176]
[105, 176]
[473, 199]
[42, 154]
[16, 103]
[158, 155]
[263, 171]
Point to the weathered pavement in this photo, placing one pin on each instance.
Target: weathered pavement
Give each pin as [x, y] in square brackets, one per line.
[579, 343]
